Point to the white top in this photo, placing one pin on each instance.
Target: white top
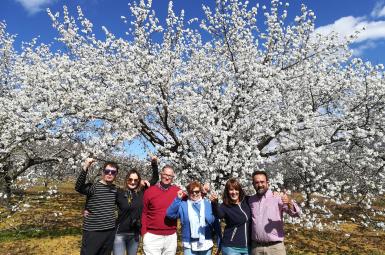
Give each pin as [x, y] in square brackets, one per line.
[197, 246]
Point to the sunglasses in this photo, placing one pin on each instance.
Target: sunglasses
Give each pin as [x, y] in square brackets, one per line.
[195, 192]
[110, 171]
[132, 180]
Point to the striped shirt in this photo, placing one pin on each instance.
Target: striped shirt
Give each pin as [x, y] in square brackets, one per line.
[100, 203]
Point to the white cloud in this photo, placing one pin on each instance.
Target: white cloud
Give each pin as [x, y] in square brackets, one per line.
[358, 51]
[347, 26]
[34, 6]
[378, 10]
[370, 29]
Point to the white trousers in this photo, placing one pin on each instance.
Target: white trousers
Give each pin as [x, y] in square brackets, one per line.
[159, 244]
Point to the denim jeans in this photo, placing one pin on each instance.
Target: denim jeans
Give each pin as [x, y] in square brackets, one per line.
[234, 251]
[187, 251]
[125, 242]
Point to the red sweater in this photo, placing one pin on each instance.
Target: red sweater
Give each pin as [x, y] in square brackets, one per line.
[155, 204]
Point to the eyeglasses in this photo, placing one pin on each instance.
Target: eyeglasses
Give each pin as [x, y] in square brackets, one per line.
[195, 192]
[110, 171]
[132, 180]
[168, 176]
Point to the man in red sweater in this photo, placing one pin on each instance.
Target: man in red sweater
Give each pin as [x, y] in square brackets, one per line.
[158, 231]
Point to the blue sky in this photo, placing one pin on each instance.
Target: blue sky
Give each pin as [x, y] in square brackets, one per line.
[28, 19]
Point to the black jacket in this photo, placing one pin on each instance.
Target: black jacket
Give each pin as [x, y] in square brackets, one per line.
[237, 219]
[130, 205]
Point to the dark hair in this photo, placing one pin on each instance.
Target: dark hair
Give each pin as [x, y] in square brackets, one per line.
[133, 171]
[192, 185]
[259, 172]
[110, 163]
[232, 183]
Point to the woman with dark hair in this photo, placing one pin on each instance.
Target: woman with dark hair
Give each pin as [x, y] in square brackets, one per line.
[197, 220]
[130, 205]
[236, 213]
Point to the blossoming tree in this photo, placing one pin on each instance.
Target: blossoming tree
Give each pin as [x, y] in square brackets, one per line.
[223, 100]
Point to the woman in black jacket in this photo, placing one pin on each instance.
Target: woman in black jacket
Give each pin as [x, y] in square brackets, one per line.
[130, 204]
[236, 213]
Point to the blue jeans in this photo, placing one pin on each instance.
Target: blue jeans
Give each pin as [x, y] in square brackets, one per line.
[234, 251]
[187, 251]
[126, 242]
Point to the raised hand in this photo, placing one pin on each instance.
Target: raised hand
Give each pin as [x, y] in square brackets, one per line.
[180, 194]
[206, 188]
[285, 198]
[87, 163]
[154, 159]
[213, 197]
[145, 183]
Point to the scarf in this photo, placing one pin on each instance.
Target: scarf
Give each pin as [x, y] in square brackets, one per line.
[196, 216]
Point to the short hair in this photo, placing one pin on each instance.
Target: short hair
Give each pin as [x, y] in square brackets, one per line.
[260, 172]
[110, 163]
[232, 183]
[192, 185]
[167, 166]
[133, 171]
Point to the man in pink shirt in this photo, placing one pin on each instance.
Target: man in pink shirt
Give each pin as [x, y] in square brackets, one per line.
[267, 217]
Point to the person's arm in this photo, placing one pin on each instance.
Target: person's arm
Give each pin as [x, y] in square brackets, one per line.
[206, 189]
[155, 170]
[143, 229]
[293, 209]
[290, 206]
[217, 211]
[214, 224]
[80, 185]
[209, 215]
[173, 210]
[218, 232]
[155, 174]
[120, 198]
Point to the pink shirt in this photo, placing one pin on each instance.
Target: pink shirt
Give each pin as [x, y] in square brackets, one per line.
[267, 217]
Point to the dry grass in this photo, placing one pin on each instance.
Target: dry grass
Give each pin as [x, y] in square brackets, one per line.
[37, 230]
[359, 241]
[63, 245]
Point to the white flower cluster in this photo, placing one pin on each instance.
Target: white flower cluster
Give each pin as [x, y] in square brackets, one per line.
[243, 98]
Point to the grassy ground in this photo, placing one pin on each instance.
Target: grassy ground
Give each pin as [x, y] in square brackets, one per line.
[52, 226]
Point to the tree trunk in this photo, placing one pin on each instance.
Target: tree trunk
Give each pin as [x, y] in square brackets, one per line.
[7, 189]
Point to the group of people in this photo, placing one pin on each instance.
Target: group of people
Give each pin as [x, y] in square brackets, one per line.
[149, 210]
